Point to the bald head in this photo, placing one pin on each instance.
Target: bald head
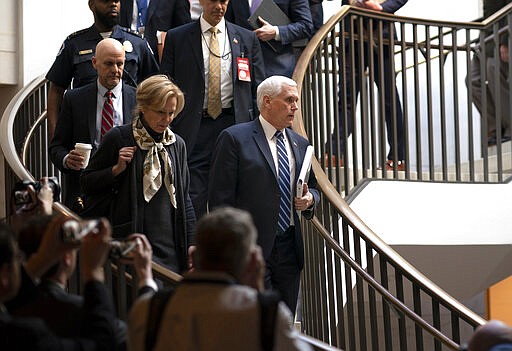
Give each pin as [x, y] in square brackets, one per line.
[109, 62]
[490, 334]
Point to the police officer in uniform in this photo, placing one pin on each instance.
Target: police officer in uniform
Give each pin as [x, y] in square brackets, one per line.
[73, 65]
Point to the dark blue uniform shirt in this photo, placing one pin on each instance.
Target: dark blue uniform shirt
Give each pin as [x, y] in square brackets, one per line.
[74, 60]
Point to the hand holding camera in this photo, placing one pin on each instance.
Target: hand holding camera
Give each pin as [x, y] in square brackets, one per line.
[74, 232]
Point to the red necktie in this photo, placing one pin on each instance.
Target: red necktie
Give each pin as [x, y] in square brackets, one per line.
[107, 114]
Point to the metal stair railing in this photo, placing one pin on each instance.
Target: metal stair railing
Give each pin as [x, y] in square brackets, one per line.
[445, 138]
[358, 293]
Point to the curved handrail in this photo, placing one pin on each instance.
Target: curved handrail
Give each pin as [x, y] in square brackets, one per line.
[384, 292]
[6, 127]
[335, 201]
[330, 191]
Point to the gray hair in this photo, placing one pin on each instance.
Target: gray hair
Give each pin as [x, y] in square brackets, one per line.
[224, 240]
[272, 86]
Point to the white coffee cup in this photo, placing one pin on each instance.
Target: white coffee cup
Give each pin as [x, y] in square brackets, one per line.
[85, 151]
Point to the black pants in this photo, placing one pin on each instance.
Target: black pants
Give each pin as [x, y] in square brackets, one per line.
[200, 157]
[283, 273]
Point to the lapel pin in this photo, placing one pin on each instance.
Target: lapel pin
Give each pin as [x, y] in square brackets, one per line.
[235, 41]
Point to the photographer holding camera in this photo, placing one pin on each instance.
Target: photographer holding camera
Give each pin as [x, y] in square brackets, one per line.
[18, 283]
[64, 312]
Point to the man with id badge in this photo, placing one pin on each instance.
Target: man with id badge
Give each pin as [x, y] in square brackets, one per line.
[218, 66]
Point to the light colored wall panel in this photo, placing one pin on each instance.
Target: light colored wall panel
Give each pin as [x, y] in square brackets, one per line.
[45, 26]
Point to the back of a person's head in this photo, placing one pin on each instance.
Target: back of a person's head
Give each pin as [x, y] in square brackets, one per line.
[30, 236]
[224, 239]
[491, 335]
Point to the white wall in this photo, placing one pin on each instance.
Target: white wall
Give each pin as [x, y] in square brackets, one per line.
[8, 43]
[45, 26]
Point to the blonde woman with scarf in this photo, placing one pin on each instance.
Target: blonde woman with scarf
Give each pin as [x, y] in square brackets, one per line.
[143, 166]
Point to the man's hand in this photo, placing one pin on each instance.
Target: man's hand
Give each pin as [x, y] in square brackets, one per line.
[45, 197]
[191, 251]
[369, 4]
[125, 156]
[266, 32]
[94, 251]
[142, 257]
[74, 160]
[307, 200]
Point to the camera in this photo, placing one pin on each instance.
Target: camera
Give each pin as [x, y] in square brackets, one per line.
[22, 196]
[122, 249]
[72, 231]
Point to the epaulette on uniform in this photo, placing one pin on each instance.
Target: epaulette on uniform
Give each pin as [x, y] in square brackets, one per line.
[131, 31]
[78, 32]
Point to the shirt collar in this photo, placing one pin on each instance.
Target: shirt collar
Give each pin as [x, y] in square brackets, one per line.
[268, 128]
[116, 90]
[205, 26]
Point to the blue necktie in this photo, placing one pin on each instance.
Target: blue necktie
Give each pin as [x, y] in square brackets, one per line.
[254, 5]
[142, 6]
[283, 179]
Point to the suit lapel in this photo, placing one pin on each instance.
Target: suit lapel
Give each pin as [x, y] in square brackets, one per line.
[91, 103]
[235, 41]
[262, 143]
[298, 154]
[151, 10]
[127, 98]
[196, 45]
[244, 10]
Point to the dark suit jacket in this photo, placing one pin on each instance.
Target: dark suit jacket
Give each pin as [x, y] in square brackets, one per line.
[301, 27]
[183, 62]
[18, 333]
[243, 175]
[162, 15]
[77, 124]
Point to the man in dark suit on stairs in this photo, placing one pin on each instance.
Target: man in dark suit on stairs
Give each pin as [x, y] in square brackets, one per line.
[255, 167]
[82, 120]
[218, 66]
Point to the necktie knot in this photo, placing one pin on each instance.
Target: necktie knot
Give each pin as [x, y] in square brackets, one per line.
[109, 94]
[279, 135]
[214, 30]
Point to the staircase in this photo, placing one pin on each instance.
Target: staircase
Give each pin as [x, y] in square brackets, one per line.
[358, 292]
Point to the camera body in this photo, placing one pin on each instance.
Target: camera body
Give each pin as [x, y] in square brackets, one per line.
[73, 231]
[22, 196]
[122, 249]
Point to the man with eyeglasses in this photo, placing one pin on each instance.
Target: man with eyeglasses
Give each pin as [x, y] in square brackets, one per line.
[218, 66]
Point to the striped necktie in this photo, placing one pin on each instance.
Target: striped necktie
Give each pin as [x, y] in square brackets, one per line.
[283, 179]
[107, 114]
